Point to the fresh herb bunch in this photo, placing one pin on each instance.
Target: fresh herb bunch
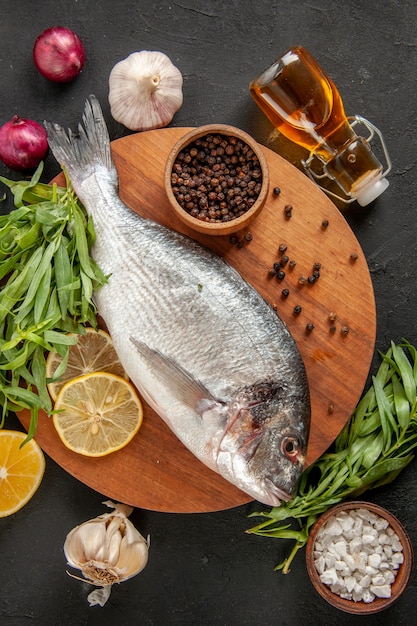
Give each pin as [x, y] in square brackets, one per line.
[47, 279]
[376, 444]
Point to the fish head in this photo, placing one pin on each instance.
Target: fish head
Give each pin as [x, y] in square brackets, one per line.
[264, 446]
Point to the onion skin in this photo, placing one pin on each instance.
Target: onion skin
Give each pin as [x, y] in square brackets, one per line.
[23, 144]
[59, 54]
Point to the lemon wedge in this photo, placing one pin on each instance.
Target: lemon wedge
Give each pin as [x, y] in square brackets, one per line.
[93, 352]
[21, 470]
[97, 413]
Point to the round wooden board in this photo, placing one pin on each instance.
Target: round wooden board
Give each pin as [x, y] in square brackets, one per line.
[155, 471]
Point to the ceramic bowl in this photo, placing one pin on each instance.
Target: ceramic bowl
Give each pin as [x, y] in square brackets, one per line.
[403, 573]
[217, 227]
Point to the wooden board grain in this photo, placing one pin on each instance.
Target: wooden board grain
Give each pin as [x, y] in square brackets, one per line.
[155, 471]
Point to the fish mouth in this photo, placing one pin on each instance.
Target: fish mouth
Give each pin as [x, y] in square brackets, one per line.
[275, 494]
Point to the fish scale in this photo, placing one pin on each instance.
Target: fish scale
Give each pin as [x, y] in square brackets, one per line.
[200, 344]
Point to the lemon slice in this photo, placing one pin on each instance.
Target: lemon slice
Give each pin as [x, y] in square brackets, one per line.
[97, 413]
[94, 352]
[21, 470]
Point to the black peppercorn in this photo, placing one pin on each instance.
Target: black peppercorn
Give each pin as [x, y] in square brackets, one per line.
[297, 309]
[199, 181]
[276, 191]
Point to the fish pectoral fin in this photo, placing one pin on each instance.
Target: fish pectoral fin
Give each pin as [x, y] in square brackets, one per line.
[186, 388]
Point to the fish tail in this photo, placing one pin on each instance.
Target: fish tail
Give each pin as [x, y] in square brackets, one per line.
[83, 153]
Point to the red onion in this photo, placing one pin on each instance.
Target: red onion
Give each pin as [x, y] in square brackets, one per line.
[59, 54]
[23, 143]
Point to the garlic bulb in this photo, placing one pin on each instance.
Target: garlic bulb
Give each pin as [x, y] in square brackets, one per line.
[145, 90]
[107, 549]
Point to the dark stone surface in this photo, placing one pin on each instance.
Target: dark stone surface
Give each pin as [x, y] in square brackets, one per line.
[203, 569]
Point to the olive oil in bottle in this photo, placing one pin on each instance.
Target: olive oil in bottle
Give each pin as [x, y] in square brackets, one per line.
[303, 103]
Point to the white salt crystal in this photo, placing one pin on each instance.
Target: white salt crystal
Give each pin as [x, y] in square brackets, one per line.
[397, 558]
[329, 577]
[381, 524]
[397, 545]
[383, 539]
[355, 545]
[381, 591]
[340, 548]
[333, 528]
[320, 564]
[379, 579]
[368, 596]
[330, 560]
[350, 562]
[374, 560]
[389, 577]
[365, 581]
[388, 551]
[350, 582]
[346, 522]
[368, 538]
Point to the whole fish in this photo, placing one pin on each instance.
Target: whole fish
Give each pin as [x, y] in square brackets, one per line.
[201, 345]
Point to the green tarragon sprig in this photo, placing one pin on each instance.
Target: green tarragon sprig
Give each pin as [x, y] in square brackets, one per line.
[47, 280]
[376, 444]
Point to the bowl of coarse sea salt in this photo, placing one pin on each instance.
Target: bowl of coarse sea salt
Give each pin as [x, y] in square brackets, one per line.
[359, 557]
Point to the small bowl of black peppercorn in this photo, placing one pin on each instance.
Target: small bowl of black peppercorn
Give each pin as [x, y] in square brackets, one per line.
[216, 179]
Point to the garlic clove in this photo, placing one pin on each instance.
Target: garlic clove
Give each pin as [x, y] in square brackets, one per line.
[107, 549]
[99, 596]
[145, 90]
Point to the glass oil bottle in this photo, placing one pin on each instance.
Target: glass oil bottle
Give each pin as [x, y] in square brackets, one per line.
[303, 103]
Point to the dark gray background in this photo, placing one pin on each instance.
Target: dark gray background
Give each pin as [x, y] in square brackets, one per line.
[203, 569]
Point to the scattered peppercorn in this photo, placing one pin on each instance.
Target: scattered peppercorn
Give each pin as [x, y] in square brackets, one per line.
[302, 280]
[292, 263]
[332, 329]
[354, 257]
[285, 293]
[317, 266]
[332, 316]
[276, 191]
[248, 236]
[272, 272]
[216, 178]
[233, 239]
[311, 280]
[282, 248]
[330, 409]
[284, 259]
[297, 309]
[240, 244]
[325, 224]
[344, 330]
[277, 266]
[281, 275]
[309, 327]
[288, 211]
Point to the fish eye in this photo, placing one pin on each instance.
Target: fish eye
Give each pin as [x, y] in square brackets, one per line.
[290, 447]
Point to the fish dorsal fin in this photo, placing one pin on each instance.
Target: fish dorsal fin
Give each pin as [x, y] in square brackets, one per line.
[187, 389]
